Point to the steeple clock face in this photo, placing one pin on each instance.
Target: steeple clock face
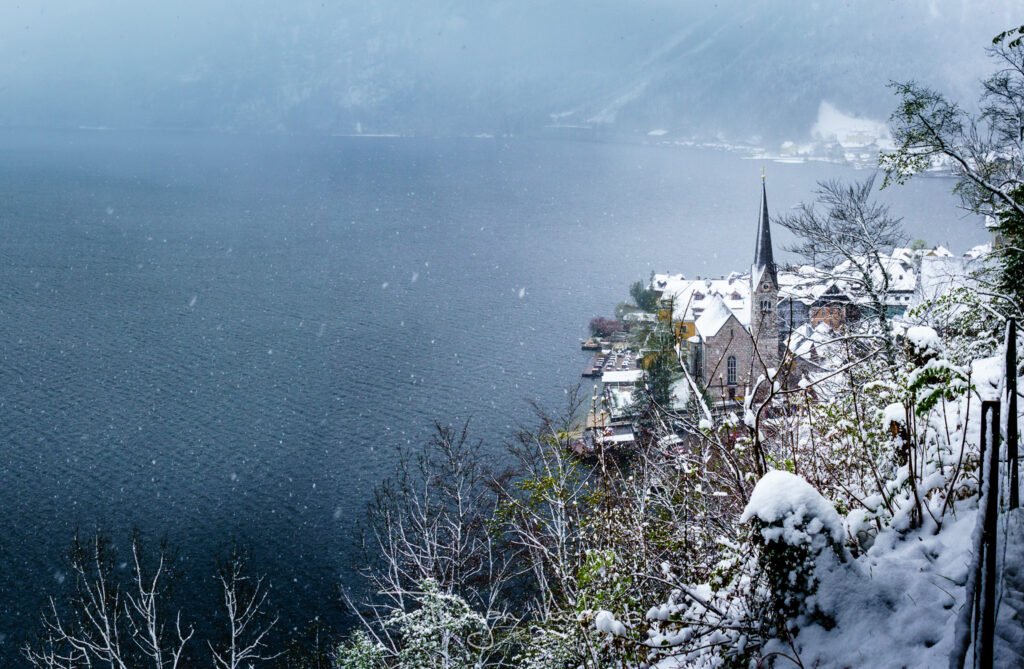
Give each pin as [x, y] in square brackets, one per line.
[765, 286]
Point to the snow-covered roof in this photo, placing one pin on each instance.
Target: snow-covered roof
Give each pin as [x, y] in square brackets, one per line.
[640, 317]
[755, 274]
[978, 251]
[816, 345]
[628, 376]
[806, 283]
[714, 317]
[619, 399]
[940, 274]
[899, 267]
[692, 297]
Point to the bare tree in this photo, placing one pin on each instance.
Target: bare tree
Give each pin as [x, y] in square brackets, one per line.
[546, 509]
[846, 230]
[110, 623]
[244, 604]
[433, 523]
[118, 619]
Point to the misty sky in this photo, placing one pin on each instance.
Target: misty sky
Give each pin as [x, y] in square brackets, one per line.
[737, 69]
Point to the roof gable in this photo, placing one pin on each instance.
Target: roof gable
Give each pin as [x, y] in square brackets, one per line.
[715, 316]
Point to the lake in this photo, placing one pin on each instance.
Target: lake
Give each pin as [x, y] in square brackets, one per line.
[217, 337]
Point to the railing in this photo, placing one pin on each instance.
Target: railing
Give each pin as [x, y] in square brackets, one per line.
[974, 644]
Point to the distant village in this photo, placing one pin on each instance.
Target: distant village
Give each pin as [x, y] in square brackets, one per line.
[730, 333]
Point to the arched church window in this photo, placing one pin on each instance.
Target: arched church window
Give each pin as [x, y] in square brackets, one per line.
[766, 306]
[730, 370]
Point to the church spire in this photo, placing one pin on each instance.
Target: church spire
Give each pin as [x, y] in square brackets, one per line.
[763, 259]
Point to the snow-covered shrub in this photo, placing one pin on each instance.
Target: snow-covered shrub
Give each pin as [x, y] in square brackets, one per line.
[890, 444]
[598, 629]
[963, 319]
[710, 625]
[545, 647]
[925, 411]
[442, 633]
[603, 582]
[359, 651]
[794, 526]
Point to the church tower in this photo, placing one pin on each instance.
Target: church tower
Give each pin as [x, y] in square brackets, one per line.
[764, 295]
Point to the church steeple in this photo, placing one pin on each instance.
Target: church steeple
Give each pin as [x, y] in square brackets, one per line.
[764, 293]
[764, 262]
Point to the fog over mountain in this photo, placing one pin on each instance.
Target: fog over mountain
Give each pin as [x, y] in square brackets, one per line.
[754, 70]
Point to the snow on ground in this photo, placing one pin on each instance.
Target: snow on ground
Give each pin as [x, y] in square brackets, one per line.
[837, 126]
[987, 377]
[1009, 648]
[896, 605]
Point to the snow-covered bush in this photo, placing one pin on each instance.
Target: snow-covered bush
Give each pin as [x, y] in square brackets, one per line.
[710, 625]
[546, 647]
[359, 651]
[442, 632]
[794, 526]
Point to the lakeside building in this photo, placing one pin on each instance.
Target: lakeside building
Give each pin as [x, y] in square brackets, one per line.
[733, 331]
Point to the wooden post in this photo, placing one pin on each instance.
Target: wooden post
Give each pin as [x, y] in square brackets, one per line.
[979, 557]
[1011, 412]
[986, 640]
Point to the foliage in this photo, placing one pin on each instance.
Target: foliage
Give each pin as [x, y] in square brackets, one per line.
[440, 631]
[643, 297]
[790, 548]
[359, 651]
[605, 327]
[1011, 251]
[983, 150]
[1014, 35]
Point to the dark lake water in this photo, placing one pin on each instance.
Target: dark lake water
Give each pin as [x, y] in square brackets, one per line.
[212, 336]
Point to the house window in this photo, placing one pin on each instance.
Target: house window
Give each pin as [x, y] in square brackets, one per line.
[730, 370]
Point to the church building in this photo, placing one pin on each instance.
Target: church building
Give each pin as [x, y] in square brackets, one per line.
[731, 323]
